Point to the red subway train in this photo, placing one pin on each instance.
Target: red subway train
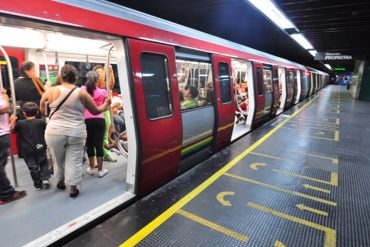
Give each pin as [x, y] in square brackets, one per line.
[186, 94]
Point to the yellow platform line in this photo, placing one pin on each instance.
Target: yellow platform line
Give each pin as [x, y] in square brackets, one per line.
[145, 231]
[213, 226]
[295, 193]
[333, 177]
[330, 234]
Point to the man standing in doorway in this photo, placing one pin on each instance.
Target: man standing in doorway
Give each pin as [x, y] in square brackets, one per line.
[7, 192]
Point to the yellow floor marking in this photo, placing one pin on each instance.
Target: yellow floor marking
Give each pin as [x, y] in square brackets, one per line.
[145, 231]
[333, 178]
[303, 207]
[221, 198]
[308, 186]
[313, 122]
[279, 244]
[336, 136]
[337, 122]
[313, 127]
[213, 226]
[281, 189]
[338, 111]
[254, 166]
[330, 234]
[268, 156]
[325, 117]
[334, 160]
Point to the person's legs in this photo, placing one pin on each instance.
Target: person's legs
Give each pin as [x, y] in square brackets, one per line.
[33, 167]
[108, 122]
[98, 143]
[90, 144]
[42, 161]
[74, 152]
[6, 189]
[106, 131]
[57, 147]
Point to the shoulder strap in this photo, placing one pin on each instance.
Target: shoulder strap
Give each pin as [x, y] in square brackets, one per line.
[62, 102]
[38, 85]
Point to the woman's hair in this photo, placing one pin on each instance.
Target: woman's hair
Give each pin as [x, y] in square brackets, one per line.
[92, 79]
[68, 73]
[96, 67]
[26, 66]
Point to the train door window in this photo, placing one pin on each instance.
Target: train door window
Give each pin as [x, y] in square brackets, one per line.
[259, 81]
[225, 89]
[267, 79]
[156, 85]
[195, 80]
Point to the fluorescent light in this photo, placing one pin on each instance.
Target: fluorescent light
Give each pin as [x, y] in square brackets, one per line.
[70, 44]
[300, 39]
[269, 8]
[21, 37]
[328, 66]
[313, 52]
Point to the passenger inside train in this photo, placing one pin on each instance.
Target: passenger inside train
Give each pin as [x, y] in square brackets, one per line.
[36, 66]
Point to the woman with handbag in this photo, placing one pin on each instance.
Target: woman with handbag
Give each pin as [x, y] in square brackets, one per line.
[66, 130]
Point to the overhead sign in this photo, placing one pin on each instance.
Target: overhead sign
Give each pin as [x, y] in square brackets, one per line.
[325, 56]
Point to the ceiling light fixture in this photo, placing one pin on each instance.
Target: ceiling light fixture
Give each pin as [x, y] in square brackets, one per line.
[271, 11]
[302, 41]
[312, 52]
[328, 66]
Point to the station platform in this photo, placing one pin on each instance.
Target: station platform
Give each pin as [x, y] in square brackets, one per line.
[299, 180]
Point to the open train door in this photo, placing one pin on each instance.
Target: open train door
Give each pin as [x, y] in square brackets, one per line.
[158, 112]
[225, 115]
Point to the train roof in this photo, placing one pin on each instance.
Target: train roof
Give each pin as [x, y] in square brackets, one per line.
[160, 29]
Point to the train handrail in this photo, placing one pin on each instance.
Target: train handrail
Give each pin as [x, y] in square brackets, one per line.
[12, 90]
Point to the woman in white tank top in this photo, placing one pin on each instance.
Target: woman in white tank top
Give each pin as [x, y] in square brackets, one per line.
[65, 133]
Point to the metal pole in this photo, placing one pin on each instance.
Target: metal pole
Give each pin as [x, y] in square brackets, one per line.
[46, 66]
[12, 90]
[1, 81]
[107, 85]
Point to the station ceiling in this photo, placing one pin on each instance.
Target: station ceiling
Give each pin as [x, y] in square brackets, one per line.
[331, 25]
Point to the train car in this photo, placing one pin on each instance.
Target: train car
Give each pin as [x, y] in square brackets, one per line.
[154, 61]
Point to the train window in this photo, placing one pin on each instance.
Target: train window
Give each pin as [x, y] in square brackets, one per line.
[225, 89]
[154, 70]
[83, 68]
[195, 83]
[259, 81]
